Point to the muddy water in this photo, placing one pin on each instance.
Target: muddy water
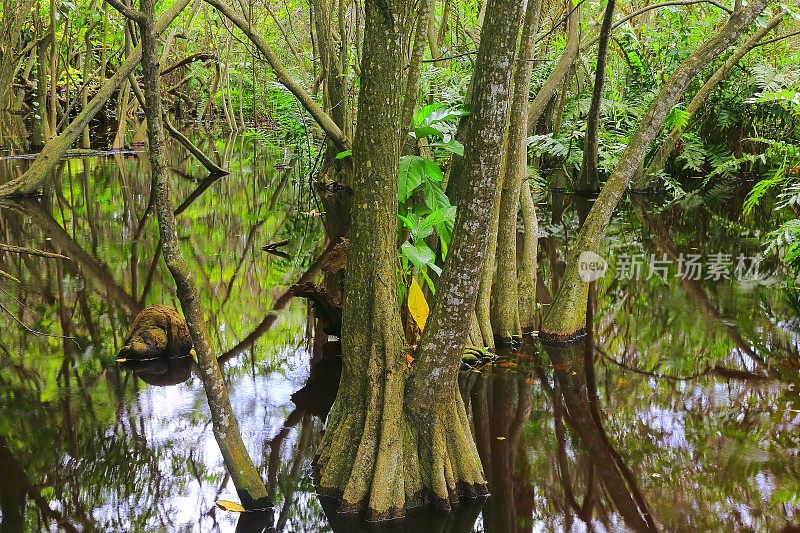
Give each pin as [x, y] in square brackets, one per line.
[679, 412]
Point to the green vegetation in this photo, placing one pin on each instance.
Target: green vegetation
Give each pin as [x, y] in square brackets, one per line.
[412, 143]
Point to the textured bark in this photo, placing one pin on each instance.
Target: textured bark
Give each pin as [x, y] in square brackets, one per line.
[567, 314]
[49, 157]
[414, 68]
[249, 485]
[587, 179]
[483, 302]
[645, 179]
[361, 459]
[381, 452]
[506, 314]
[439, 354]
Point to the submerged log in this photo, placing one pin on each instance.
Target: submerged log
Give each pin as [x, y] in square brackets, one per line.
[157, 332]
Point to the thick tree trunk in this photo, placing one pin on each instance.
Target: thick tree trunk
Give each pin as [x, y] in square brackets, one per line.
[249, 485]
[433, 405]
[49, 157]
[567, 314]
[365, 459]
[390, 444]
[645, 179]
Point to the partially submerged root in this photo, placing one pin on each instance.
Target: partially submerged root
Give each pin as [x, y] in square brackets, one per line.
[383, 463]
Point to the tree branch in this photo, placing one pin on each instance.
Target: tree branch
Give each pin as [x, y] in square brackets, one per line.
[126, 11]
[30, 251]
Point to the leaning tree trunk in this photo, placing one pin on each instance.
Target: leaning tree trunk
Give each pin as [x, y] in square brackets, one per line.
[645, 179]
[249, 485]
[567, 315]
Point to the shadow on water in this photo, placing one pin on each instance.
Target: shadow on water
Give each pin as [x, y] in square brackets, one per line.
[679, 412]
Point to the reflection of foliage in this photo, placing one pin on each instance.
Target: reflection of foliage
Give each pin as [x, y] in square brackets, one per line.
[101, 449]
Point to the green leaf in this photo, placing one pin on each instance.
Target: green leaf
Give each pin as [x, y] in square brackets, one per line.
[342, 155]
[452, 146]
[412, 174]
[427, 131]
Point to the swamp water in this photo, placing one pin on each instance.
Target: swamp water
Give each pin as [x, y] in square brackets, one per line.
[681, 410]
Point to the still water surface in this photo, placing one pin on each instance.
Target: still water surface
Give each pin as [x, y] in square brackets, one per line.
[681, 411]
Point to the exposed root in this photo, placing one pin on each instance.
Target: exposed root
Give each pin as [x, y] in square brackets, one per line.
[421, 458]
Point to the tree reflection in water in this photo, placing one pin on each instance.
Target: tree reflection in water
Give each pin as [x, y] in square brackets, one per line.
[681, 415]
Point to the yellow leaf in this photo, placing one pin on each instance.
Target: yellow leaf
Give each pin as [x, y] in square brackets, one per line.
[233, 507]
[121, 360]
[417, 305]
[409, 359]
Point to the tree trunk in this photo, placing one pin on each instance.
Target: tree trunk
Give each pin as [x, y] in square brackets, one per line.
[587, 179]
[506, 314]
[434, 407]
[567, 314]
[249, 485]
[560, 71]
[365, 459]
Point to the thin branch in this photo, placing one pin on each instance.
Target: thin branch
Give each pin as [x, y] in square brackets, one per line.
[4, 274]
[668, 3]
[34, 331]
[126, 11]
[778, 38]
[30, 251]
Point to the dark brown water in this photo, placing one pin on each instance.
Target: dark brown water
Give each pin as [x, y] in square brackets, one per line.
[680, 412]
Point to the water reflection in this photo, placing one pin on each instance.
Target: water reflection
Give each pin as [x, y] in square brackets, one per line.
[679, 413]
